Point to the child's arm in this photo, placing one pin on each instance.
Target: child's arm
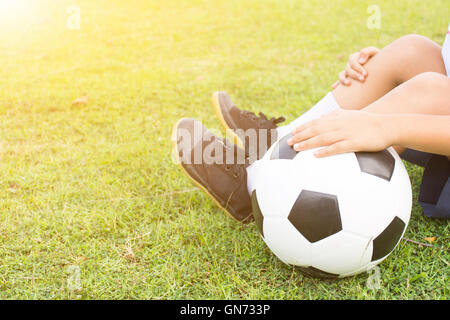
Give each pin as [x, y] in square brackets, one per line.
[414, 114]
[429, 133]
[348, 131]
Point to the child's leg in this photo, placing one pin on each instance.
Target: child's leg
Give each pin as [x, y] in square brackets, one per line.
[426, 93]
[396, 63]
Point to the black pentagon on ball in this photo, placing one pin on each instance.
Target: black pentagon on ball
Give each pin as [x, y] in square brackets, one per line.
[386, 241]
[380, 164]
[316, 273]
[282, 150]
[257, 213]
[316, 215]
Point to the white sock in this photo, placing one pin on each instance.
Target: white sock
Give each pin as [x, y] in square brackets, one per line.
[252, 174]
[323, 107]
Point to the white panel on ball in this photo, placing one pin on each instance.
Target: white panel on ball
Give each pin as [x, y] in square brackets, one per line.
[286, 242]
[271, 181]
[346, 250]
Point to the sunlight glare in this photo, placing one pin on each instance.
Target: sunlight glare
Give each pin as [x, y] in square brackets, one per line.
[12, 6]
[16, 9]
[16, 15]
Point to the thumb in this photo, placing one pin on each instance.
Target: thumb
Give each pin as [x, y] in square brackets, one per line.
[366, 53]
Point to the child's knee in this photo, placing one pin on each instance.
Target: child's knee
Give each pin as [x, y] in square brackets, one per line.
[436, 86]
[433, 81]
[414, 46]
[415, 42]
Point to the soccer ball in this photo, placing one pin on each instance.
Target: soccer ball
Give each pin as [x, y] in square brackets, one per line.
[335, 216]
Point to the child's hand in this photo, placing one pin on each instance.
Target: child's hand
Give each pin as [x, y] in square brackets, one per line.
[343, 131]
[354, 69]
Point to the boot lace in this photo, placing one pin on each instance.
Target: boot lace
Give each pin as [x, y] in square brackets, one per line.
[235, 169]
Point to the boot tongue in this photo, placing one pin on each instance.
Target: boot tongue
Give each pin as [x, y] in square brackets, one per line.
[260, 121]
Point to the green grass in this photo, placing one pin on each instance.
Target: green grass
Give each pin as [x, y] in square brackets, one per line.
[93, 186]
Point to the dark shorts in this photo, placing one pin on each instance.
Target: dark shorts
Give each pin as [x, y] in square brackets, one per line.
[434, 195]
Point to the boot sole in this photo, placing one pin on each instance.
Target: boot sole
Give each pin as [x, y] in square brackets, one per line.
[229, 131]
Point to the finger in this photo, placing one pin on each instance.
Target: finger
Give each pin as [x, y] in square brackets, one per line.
[316, 142]
[343, 79]
[351, 73]
[339, 147]
[366, 53]
[297, 130]
[304, 126]
[302, 136]
[356, 66]
[370, 51]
